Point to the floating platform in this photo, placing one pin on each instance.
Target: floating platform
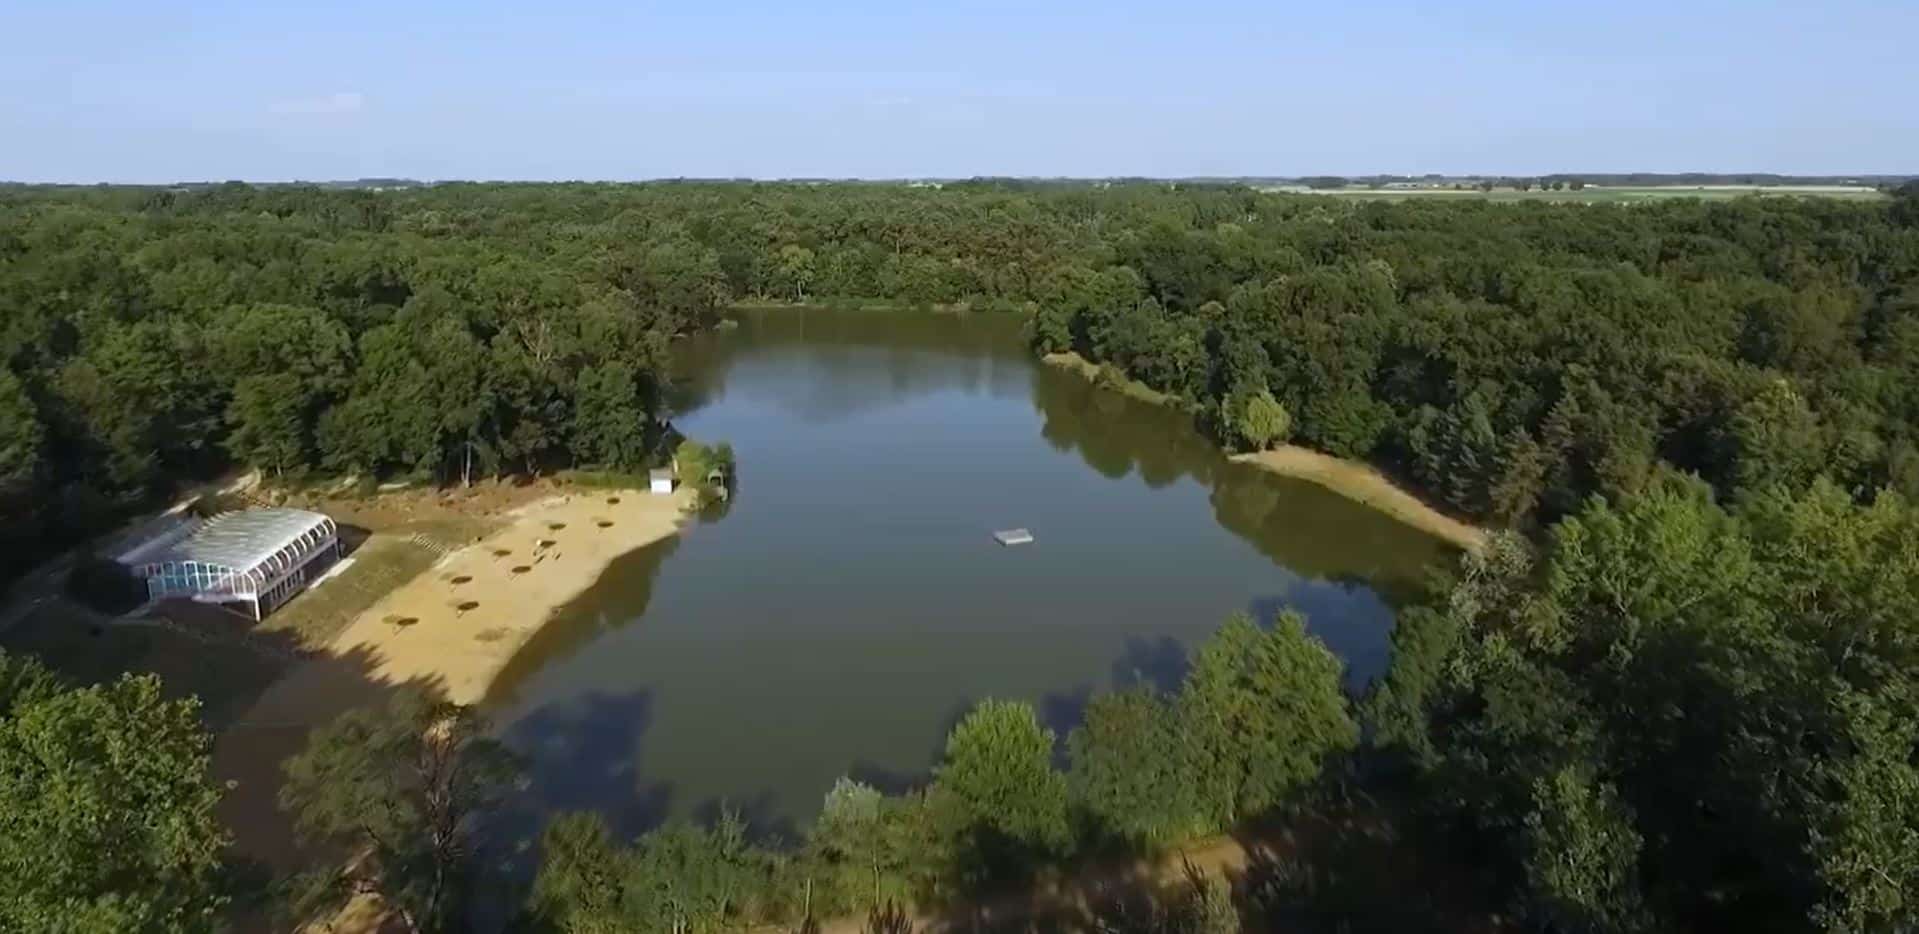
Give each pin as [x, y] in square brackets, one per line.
[1014, 537]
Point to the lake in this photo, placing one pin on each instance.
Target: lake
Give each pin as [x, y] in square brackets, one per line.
[850, 602]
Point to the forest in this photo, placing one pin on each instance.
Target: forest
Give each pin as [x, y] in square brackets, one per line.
[1679, 690]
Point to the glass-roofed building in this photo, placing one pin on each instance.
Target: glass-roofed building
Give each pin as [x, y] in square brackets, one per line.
[260, 557]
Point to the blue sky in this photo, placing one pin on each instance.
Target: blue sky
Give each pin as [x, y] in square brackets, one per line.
[139, 90]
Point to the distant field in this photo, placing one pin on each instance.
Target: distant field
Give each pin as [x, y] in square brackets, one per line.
[1598, 194]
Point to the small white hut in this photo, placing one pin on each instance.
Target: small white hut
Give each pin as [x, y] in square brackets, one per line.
[660, 481]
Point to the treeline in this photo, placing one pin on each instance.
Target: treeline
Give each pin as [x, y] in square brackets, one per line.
[1510, 358]
[1515, 359]
[1677, 717]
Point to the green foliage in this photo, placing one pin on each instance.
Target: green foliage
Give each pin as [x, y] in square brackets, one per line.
[1776, 440]
[1129, 769]
[24, 681]
[1516, 358]
[1262, 421]
[999, 767]
[610, 427]
[406, 785]
[109, 820]
[699, 464]
[1262, 711]
[678, 878]
[1683, 713]
[1581, 857]
[21, 441]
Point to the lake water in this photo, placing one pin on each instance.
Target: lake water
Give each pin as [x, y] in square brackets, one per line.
[850, 603]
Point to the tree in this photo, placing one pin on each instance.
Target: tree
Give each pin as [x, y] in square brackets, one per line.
[854, 829]
[998, 765]
[1775, 440]
[1263, 710]
[23, 681]
[109, 808]
[21, 441]
[1262, 421]
[1128, 771]
[407, 785]
[1582, 857]
[680, 877]
[579, 888]
[289, 364]
[610, 427]
[796, 269]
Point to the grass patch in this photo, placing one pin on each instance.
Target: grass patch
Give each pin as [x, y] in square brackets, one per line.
[382, 563]
[605, 479]
[226, 675]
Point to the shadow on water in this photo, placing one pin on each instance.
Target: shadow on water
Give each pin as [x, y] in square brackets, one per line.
[1159, 663]
[619, 597]
[1061, 712]
[585, 754]
[1348, 616]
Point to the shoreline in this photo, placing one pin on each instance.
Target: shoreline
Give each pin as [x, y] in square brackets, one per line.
[1357, 481]
[1111, 377]
[457, 653]
[1365, 485]
[474, 609]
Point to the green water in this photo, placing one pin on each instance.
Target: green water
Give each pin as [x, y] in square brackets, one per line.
[850, 603]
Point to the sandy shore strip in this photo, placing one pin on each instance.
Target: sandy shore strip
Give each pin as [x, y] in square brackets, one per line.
[461, 622]
[1363, 484]
[1354, 480]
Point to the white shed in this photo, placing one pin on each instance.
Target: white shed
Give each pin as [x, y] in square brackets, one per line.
[660, 481]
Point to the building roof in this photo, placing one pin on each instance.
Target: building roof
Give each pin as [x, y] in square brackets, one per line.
[245, 540]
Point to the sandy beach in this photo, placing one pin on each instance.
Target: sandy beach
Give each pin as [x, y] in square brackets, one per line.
[452, 629]
[461, 622]
[1363, 484]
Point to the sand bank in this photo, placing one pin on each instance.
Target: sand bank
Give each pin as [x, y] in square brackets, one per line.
[1363, 484]
[462, 621]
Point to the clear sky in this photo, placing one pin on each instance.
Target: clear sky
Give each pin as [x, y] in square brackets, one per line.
[145, 90]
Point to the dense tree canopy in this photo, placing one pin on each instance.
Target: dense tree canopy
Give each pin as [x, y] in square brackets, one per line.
[1683, 716]
[1512, 358]
[108, 822]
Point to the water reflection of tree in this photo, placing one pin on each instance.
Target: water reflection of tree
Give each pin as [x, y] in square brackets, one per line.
[877, 358]
[1297, 524]
[1116, 434]
[1323, 535]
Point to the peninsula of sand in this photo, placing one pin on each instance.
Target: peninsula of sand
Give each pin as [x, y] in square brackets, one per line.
[455, 627]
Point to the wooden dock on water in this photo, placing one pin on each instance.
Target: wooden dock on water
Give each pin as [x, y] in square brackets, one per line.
[1013, 537]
